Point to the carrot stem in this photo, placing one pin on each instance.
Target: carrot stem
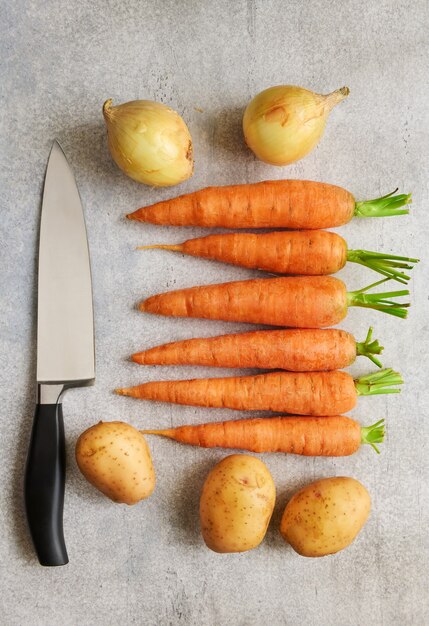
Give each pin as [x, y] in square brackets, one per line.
[369, 348]
[378, 383]
[388, 265]
[379, 301]
[383, 207]
[373, 434]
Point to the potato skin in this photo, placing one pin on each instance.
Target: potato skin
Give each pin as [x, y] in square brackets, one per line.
[325, 516]
[115, 458]
[236, 504]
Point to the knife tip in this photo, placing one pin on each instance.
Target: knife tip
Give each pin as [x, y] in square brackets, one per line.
[56, 147]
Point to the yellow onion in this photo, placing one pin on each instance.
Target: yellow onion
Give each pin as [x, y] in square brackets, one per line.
[149, 142]
[282, 124]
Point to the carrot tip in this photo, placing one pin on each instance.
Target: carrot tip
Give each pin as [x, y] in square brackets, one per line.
[168, 432]
[122, 392]
[162, 246]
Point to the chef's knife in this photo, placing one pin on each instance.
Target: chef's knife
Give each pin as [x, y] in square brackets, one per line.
[65, 351]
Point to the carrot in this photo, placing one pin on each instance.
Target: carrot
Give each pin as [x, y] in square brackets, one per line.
[301, 302]
[303, 393]
[304, 252]
[300, 350]
[310, 436]
[269, 204]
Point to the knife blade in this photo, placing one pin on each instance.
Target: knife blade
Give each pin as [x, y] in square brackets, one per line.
[65, 351]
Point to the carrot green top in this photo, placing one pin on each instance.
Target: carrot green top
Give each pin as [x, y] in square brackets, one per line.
[380, 382]
[369, 348]
[383, 207]
[389, 265]
[373, 434]
[379, 301]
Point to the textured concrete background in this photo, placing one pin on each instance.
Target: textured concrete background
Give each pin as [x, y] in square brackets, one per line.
[148, 564]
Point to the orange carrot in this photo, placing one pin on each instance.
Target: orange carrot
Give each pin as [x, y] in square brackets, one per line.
[300, 302]
[310, 436]
[305, 252]
[300, 350]
[303, 393]
[269, 204]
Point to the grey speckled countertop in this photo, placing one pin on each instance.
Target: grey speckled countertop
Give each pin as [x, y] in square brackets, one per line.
[147, 564]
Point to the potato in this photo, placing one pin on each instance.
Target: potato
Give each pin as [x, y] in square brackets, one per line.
[115, 458]
[236, 504]
[325, 516]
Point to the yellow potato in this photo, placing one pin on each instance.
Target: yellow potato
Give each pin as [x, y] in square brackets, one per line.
[325, 517]
[236, 504]
[116, 459]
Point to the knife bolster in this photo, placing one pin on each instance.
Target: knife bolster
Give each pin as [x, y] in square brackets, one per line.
[49, 394]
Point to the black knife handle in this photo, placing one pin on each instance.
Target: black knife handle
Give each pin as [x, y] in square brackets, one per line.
[44, 484]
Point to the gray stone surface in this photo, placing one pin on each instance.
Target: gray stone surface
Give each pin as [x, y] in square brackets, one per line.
[147, 564]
